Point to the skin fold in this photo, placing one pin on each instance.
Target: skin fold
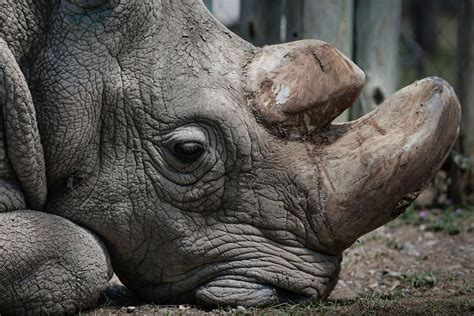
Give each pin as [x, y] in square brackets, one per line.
[144, 136]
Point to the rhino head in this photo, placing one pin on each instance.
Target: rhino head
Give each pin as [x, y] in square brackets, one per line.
[210, 168]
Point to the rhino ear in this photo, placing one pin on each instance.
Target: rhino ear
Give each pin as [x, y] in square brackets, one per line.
[302, 86]
[24, 159]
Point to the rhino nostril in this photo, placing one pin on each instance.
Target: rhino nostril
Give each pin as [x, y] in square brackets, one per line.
[378, 96]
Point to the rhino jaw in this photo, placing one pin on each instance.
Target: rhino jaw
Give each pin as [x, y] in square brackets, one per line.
[374, 167]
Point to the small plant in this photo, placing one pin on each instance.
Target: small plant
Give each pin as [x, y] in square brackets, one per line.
[466, 287]
[373, 302]
[434, 307]
[448, 222]
[410, 216]
[304, 308]
[393, 243]
[425, 279]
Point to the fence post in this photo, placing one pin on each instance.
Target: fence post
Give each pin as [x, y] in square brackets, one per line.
[327, 20]
[376, 50]
[260, 21]
[208, 4]
[465, 87]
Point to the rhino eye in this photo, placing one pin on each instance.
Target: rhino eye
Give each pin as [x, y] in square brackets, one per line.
[188, 152]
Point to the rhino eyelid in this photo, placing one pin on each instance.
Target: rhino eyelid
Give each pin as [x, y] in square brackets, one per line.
[185, 135]
[89, 4]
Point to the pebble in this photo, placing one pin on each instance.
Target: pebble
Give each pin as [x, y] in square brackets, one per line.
[428, 235]
[359, 275]
[411, 250]
[431, 243]
[342, 283]
[131, 309]
[395, 285]
[241, 309]
[470, 229]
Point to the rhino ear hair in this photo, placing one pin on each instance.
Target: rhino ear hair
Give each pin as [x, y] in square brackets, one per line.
[20, 131]
[302, 86]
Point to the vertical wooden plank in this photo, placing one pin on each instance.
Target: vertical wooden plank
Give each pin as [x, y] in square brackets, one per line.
[294, 10]
[465, 84]
[260, 21]
[208, 4]
[376, 50]
[327, 20]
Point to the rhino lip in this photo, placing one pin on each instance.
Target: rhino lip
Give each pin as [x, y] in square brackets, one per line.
[270, 276]
[245, 291]
[250, 289]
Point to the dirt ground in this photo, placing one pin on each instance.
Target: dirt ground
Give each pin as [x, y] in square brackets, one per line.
[420, 264]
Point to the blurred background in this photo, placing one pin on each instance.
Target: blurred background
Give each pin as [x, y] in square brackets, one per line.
[395, 42]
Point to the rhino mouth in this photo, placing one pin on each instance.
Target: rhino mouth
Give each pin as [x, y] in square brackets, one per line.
[240, 290]
[257, 277]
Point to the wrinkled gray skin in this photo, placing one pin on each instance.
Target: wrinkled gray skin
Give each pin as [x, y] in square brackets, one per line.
[95, 96]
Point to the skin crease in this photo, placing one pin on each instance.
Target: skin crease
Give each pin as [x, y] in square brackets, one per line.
[117, 87]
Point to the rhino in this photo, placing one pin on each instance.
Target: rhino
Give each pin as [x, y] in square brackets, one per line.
[142, 137]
